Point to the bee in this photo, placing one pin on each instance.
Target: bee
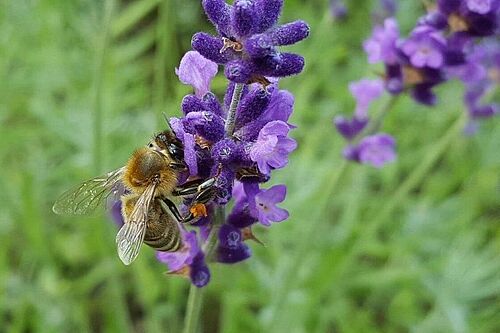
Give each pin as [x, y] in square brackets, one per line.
[151, 178]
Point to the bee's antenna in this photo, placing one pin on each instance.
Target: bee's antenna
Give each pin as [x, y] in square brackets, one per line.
[166, 120]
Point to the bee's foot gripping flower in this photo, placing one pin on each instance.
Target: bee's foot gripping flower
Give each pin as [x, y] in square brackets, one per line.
[248, 40]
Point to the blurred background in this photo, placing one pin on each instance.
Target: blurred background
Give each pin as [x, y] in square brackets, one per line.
[412, 247]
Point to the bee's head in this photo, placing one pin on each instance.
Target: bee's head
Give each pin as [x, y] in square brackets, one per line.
[166, 141]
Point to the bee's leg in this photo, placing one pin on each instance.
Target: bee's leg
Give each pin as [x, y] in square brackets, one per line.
[177, 166]
[194, 187]
[201, 199]
[173, 209]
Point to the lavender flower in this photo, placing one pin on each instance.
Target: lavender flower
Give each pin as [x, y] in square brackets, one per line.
[443, 44]
[272, 147]
[240, 141]
[248, 40]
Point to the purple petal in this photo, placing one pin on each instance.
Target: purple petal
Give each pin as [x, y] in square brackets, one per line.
[196, 71]
[275, 194]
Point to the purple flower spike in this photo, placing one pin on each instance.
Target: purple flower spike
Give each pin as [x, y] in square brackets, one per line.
[218, 12]
[381, 46]
[269, 12]
[365, 92]
[196, 71]
[376, 150]
[272, 147]
[265, 205]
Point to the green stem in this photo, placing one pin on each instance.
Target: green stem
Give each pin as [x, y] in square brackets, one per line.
[231, 116]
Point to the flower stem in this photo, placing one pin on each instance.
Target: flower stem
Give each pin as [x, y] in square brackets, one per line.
[231, 116]
[195, 298]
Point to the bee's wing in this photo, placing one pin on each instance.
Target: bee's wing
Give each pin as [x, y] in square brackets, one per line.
[131, 235]
[87, 196]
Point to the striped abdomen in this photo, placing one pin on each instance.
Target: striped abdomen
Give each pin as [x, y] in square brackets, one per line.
[162, 233]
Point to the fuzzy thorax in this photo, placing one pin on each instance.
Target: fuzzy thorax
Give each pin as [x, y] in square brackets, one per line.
[142, 168]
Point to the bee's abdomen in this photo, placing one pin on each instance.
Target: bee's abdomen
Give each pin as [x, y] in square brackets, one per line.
[162, 234]
[168, 241]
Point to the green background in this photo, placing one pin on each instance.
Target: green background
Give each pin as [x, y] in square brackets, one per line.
[414, 246]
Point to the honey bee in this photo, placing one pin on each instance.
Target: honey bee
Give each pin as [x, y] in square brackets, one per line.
[151, 178]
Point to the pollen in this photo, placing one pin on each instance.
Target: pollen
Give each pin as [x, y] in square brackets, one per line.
[230, 44]
[198, 210]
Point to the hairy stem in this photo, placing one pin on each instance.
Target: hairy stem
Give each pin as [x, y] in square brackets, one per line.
[231, 116]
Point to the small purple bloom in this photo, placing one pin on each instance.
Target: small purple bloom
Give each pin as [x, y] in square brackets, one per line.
[350, 128]
[424, 48]
[381, 46]
[265, 207]
[272, 147]
[365, 92]
[196, 71]
[376, 150]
